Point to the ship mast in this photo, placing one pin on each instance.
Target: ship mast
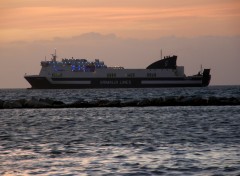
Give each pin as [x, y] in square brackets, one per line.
[161, 53]
[54, 59]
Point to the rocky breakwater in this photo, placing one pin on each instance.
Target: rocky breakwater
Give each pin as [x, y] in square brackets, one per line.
[31, 103]
[161, 101]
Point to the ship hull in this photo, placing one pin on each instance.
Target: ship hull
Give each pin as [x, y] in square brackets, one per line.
[38, 82]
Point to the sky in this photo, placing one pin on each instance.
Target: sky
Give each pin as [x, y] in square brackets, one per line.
[127, 32]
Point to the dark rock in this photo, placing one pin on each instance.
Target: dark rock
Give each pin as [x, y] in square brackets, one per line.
[104, 103]
[114, 103]
[238, 100]
[170, 101]
[217, 101]
[132, 103]
[35, 103]
[58, 104]
[46, 101]
[213, 101]
[52, 102]
[145, 102]
[183, 101]
[80, 104]
[223, 101]
[12, 104]
[22, 101]
[101, 103]
[199, 101]
[1, 104]
[157, 101]
[234, 101]
[162, 101]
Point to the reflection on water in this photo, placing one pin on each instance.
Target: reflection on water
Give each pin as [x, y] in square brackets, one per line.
[121, 141]
[173, 159]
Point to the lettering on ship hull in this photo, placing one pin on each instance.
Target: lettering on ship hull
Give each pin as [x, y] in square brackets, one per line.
[115, 82]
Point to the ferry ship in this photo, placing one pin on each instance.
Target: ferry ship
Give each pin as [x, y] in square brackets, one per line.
[81, 73]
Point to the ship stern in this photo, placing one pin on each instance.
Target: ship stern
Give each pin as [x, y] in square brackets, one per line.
[206, 77]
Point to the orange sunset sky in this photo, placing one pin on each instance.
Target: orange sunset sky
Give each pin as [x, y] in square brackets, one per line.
[27, 24]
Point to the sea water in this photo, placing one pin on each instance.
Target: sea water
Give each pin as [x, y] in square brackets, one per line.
[191, 140]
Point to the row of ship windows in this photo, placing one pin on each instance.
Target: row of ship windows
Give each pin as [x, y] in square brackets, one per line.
[131, 75]
[114, 75]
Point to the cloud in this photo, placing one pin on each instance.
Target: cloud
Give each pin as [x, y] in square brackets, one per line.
[138, 19]
[94, 36]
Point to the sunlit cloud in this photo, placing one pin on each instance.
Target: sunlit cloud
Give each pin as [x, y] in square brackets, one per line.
[48, 21]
